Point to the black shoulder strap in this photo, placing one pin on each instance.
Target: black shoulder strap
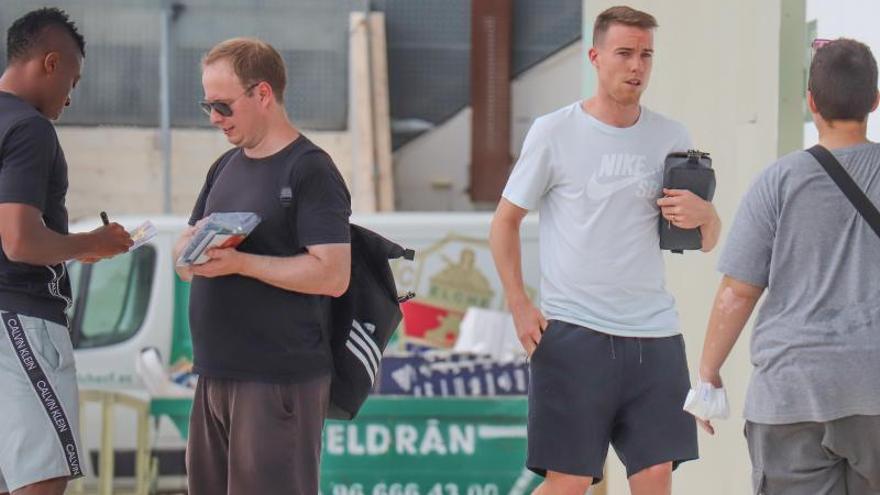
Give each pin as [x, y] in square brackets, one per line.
[210, 178]
[287, 184]
[218, 165]
[846, 184]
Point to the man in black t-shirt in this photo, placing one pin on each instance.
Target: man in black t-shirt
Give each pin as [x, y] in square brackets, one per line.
[258, 312]
[39, 440]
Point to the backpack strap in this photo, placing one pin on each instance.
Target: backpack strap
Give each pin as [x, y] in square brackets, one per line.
[285, 194]
[285, 188]
[218, 166]
[213, 173]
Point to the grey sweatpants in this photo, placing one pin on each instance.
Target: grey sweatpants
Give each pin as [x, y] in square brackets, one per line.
[840, 457]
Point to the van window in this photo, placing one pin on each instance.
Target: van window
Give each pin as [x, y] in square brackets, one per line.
[111, 297]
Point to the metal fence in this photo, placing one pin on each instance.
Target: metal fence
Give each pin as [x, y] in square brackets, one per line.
[428, 53]
[120, 84]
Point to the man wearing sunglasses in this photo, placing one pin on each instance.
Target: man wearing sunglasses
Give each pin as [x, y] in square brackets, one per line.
[813, 404]
[258, 313]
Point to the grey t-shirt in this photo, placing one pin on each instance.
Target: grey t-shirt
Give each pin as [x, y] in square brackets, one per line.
[816, 343]
[596, 187]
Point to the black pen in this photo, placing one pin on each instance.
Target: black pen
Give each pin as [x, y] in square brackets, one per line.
[104, 218]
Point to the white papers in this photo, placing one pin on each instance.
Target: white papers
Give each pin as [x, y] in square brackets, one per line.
[142, 234]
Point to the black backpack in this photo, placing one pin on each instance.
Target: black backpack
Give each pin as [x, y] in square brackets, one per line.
[363, 320]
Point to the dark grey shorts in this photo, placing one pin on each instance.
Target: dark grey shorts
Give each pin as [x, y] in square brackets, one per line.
[840, 457]
[589, 389]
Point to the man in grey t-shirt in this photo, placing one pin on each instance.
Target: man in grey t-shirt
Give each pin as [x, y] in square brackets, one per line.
[813, 404]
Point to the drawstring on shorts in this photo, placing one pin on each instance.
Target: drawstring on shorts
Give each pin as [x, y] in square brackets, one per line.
[614, 350]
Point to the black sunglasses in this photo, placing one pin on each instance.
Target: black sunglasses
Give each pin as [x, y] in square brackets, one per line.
[222, 107]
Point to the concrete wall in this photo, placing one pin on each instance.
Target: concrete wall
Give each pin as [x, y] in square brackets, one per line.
[119, 169]
[716, 69]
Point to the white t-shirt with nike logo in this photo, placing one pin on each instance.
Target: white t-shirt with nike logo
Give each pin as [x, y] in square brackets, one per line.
[596, 188]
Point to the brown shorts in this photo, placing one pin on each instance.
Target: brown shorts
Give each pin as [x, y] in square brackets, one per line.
[252, 437]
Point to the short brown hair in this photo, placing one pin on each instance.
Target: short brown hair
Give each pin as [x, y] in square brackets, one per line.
[621, 14]
[843, 80]
[253, 61]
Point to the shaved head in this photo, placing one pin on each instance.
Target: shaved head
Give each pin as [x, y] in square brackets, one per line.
[41, 31]
[45, 54]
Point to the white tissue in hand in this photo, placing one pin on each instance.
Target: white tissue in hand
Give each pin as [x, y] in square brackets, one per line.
[707, 402]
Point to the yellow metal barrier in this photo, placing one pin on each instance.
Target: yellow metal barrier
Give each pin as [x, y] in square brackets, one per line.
[144, 467]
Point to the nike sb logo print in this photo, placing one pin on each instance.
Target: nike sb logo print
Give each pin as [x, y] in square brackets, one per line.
[618, 171]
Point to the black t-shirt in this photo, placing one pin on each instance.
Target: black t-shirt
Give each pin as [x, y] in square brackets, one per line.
[241, 327]
[32, 172]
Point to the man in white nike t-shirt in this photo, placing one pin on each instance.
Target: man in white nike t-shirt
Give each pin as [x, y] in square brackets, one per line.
[610, 366]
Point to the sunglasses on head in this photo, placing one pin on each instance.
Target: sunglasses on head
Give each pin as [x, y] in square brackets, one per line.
[224, 108]
[819, 43]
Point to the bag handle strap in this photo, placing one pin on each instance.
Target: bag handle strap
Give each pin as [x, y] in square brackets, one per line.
[846, 184]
